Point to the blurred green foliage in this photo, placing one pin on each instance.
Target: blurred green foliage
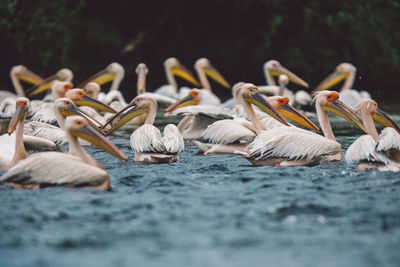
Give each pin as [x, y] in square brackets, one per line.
[309, 37]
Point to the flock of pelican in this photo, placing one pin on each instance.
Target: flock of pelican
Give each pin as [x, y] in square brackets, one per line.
[257, 123]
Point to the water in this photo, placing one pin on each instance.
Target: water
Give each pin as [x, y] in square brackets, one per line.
[208, 211]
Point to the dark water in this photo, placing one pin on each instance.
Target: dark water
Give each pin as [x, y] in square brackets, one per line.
[208, 211]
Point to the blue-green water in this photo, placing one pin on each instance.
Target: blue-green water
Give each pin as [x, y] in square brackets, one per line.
[208, 211]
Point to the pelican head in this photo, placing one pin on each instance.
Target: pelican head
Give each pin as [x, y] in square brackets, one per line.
[283, 79]
[139, 105]
[341, 73]
[92, 89]
[282, 105]
[113, 71]
[24, 74]
[22, 106]
[193, 98]
[63, 75]
[58, 89]
[329, 102]
[274, 68]
[250, 94]
[141, 71]
[78, 127]
[378, 115]
[81, 99]
[205, 65]
[176, 68]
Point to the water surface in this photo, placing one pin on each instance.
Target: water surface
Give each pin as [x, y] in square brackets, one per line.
[208, 211]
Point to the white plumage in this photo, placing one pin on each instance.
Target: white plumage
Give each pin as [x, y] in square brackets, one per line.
[67, 170]
[148, 138]
[292, 144]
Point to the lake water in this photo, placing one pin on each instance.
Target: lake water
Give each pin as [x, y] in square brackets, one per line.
[208, 211]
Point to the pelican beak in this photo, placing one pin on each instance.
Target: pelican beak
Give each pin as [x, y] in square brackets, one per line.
[292, 77]
[102, 77]
[43, 86]
[29, 77]
[293, 114]
[186, 101]
[383, 119]
[259, 101]
[216, 76]
[123, 116]
[93, 103]
[331, 80]
[75, 110]
[19, 115]
[92, 136]
[185, 74]
[338, 108]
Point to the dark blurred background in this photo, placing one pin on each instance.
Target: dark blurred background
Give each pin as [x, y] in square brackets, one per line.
[308, 37]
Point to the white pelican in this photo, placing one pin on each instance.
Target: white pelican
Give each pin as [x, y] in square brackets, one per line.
[174, 68]
[147, 142]
[274, 68]
[62, 108]
[76, 169]
[227, 136]
[63, 75]
[375, 151]
[346, 72]
[17, 74]
[197, 117]
[13, 145]
[284, 146]
[204, 68]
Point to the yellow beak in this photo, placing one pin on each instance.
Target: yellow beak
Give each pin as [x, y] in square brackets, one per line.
[331, 80]
[186, 101]
[383, 119]
[338, 108]
[293, 114]
[101, 77]
[93, 103]
[18, 116]
[292, 77]
[123, 116]
[257, 100]
[89, 134]
[216, 76]
[184, 73]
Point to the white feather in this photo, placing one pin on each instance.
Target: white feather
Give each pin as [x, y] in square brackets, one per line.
[293, 144]
[70, 171]
[388, 139]
[172, 139]
[147, 138]
[228, 132]
[363, 149]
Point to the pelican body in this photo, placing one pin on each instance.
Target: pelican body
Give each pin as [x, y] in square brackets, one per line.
[76, 169]
[376, 151]
[147, 142]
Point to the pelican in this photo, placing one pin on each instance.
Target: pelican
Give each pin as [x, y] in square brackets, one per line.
[284, 146]
[13, 146]
[147, 142]
[63, 75]
[373, 151]
[17, 74]
[228, 136]
[346, 72]
[274, 68]
[76, 169]
[62, 108]
[174, 68]
[204, 68]
[197, 117]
